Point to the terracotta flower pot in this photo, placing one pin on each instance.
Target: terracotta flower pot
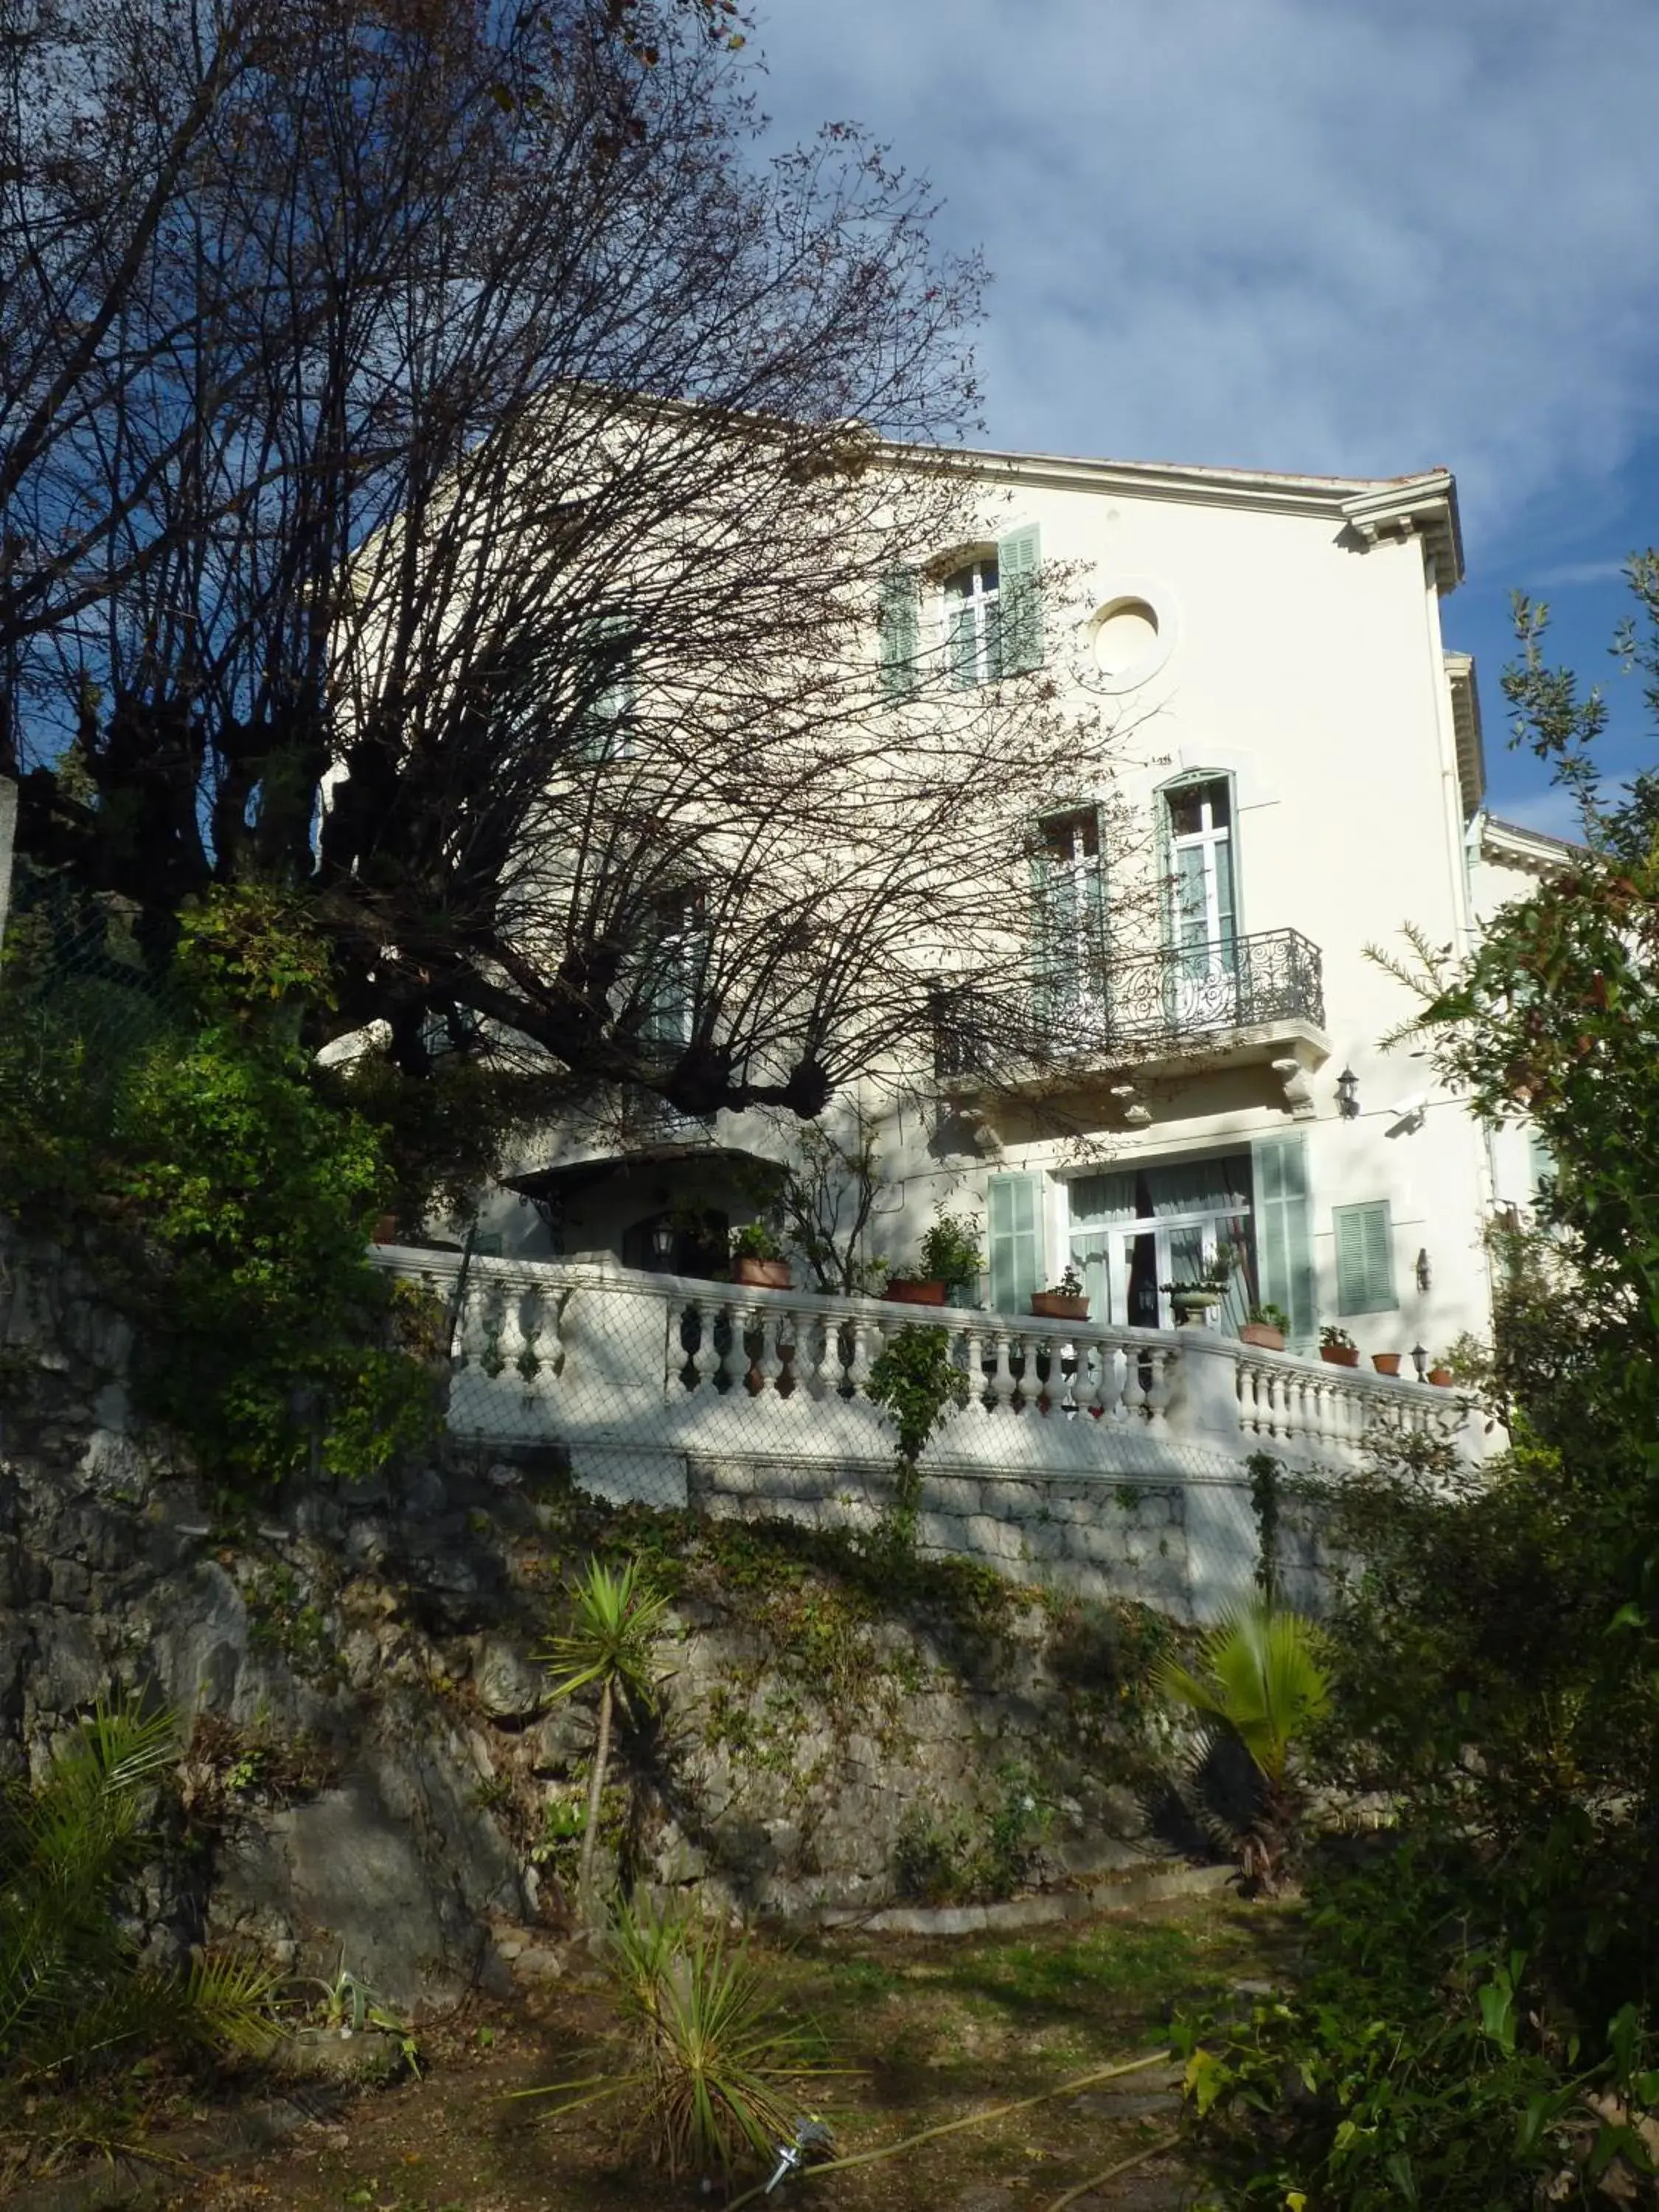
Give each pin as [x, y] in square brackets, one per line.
[1339, 1355]
[385, 1229]
[761, 1275]
[1386, 1363]
[1263, 1335]
[1054, 1306]
[915, 1294]
[1443, 1376]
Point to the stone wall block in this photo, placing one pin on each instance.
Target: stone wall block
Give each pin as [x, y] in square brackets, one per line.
[993, 1539]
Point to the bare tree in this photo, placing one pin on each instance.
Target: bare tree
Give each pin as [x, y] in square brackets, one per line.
[447, 469]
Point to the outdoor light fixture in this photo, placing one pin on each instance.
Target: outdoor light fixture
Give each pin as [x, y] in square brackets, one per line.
[1420, 1361]
[1424, 1271]
[1348, 1094]
[662, 1239]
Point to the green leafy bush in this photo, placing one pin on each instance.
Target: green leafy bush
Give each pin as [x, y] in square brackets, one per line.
[232, 1198]
[75, 1991]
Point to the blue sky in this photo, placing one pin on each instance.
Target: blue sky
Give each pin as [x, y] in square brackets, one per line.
[1321, 235]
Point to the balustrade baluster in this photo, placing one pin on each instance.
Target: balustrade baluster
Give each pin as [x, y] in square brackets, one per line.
[974, 1358]
[1295, 1397]
[1281, 1392]
[790, 1331]
[1157, 1395]
[1002, 1377]
[1245, 1377]
[514, 1342]
[858, 1365]
[766, 1366]
[1089, 1383]
[703, 1360]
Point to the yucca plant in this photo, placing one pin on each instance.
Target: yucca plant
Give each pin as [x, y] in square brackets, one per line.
[617, 1617]
[709, 2062]
[72, 1984]
[1258, 1681]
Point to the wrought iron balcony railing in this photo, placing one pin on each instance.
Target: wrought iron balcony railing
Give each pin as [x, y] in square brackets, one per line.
[1119, 1010]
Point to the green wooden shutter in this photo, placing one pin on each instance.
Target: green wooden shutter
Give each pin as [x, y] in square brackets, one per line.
[898, 633]
[1014, 1206]
[1283, 1233]
[611, 643]
[1365, 1259]
[1042, 939]
[1019, 598]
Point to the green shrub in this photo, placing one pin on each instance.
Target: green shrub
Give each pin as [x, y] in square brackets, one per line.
[230, 1198]
[75, 1991]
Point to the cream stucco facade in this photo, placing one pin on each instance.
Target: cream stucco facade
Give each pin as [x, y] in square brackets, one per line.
[1270, 650]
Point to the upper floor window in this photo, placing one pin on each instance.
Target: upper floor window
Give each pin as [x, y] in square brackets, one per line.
[609, 691]
[1199, 825]
[675, 955]
[1070, 912]
[981, 619]
[972, 620]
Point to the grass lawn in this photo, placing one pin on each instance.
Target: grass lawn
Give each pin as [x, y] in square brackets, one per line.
[936, 2029]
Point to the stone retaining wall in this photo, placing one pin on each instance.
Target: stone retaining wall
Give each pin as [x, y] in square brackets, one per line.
[374, 1757]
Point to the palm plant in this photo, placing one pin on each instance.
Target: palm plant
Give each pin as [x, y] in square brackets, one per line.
[72, 1984]
[1260, 1682]
[616, 1616]
[709, 2061]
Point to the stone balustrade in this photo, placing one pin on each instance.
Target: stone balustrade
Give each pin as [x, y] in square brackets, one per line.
[1109, 1461]
[613, 1362]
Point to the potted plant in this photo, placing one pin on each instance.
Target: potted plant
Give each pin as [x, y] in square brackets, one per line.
[1065, 1301]
[1440, 1373]
[949, 1260]
[1267, 1328]
[1336, 1345]
[1386, 1363]
[758, 1259]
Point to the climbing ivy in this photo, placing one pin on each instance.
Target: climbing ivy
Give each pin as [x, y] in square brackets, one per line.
[917, 1384]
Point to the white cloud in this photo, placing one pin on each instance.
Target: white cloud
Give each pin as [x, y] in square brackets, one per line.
[1305, 234]
[1572, 575]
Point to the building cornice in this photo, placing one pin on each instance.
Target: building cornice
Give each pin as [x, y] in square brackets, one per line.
[1510, 846]
[1375, 509]
[1466, 727]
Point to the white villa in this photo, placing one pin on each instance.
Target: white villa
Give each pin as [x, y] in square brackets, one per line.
[1301, 752]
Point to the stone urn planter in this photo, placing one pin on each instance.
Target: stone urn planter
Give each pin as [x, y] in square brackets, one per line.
[1263, 1335]
[1054, 1306]
[1386, 1363]
[915, 1294]
[1193, 1306]
[761, 1275]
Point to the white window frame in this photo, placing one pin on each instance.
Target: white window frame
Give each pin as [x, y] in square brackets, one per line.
[982, 601]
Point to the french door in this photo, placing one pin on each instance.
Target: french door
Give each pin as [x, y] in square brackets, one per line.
[1203, 985]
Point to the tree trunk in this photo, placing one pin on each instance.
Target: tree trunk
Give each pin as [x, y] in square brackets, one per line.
[595, 1793]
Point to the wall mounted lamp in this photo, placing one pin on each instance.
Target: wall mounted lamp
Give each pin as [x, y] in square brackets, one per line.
[1348, 1094]
[1424, 1270]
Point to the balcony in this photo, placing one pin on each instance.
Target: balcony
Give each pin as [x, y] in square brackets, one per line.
[1253, 1000]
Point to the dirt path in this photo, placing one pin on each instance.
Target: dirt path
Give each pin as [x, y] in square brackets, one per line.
[935, 2029]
